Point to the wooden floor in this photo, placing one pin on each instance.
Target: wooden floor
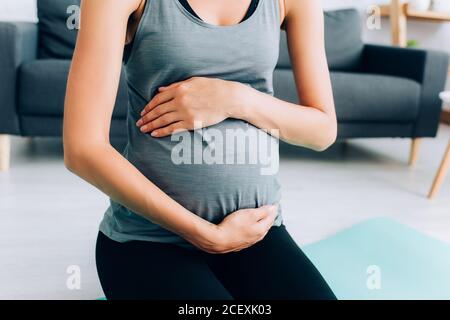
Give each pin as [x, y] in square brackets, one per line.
[49, 217]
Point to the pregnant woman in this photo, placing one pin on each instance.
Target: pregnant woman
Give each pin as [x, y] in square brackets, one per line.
[195, 204]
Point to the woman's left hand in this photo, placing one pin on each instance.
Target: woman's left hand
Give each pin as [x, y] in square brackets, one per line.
[190, 104]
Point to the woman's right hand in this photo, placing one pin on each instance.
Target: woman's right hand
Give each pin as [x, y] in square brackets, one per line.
[241, 229]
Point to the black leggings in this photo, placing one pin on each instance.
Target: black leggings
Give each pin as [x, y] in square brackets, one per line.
[274, 268]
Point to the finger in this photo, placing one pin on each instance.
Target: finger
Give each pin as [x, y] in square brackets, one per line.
[161, 122]
[263, 212]
[157, 112]
[260, 231]
[158, 99]
[172, 86]
[260, 213]
[267, 222]
[273, 212]
[171, 129]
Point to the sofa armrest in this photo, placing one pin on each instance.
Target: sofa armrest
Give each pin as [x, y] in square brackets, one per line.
[427, 67]
[18, 43]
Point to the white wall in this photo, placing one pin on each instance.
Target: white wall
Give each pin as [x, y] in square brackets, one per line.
[15, 10]
[429, 35]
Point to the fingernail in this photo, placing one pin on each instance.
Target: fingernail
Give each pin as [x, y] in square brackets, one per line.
[142, 112]
[143, 128]
[154, 133]
[139, 123]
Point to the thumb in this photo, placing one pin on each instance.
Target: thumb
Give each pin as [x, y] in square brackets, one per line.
[272, 208]
[266, 211]
[173, 85]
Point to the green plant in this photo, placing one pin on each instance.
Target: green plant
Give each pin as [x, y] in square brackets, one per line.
[412, 44]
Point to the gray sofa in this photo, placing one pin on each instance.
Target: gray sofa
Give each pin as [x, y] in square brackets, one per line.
[379, 91]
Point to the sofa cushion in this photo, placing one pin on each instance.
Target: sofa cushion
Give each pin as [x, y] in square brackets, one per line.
[375, 98]
[42, 86]
[56, 40]
[343, 42]
[362, 97]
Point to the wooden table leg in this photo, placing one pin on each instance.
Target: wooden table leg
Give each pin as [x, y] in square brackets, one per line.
[5, 147]
[414, 153]
[445, 116]
[398, 23]
[440, 174]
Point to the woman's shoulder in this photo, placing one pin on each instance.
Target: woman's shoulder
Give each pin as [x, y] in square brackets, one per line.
[305, 11]
[124, 7]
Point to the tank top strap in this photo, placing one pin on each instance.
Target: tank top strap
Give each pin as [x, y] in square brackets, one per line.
[272, 11]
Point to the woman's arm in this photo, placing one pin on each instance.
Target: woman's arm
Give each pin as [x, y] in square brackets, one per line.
[209, 101]
[312, 124]
[91, 92]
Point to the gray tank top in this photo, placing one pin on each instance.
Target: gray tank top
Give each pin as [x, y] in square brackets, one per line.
[212, 171]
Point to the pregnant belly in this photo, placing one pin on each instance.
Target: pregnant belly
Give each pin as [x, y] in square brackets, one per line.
[211, 172]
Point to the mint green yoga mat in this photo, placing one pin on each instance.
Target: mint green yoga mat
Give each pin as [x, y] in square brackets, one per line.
[383, 259]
